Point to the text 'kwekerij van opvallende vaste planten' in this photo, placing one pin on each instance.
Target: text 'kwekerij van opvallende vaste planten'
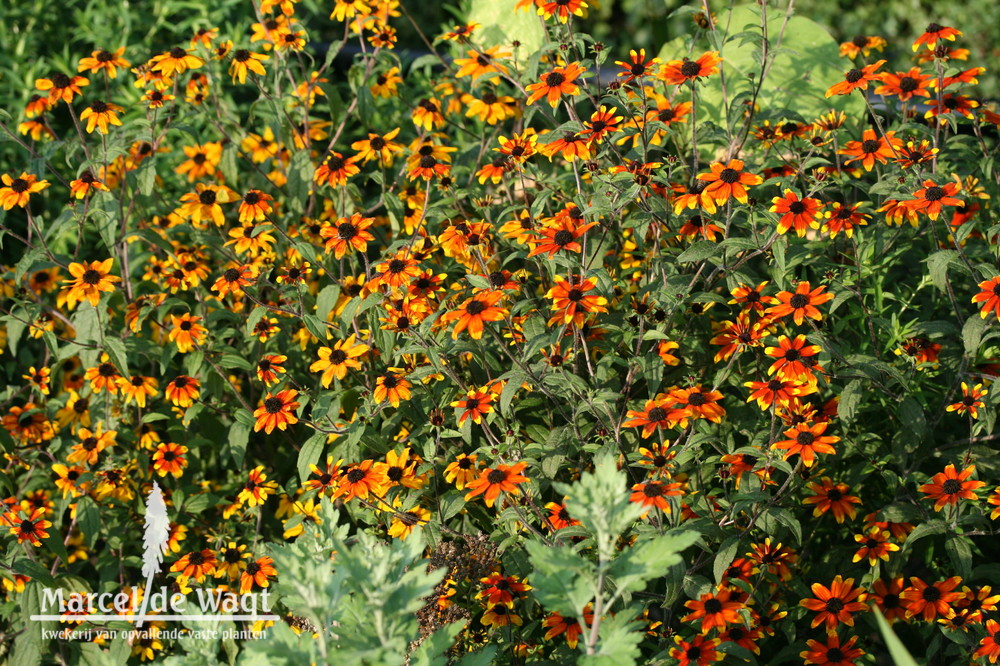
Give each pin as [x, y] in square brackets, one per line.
[493, 342]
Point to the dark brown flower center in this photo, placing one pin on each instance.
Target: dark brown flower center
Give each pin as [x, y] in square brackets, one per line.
[805, 438]
[951, 487]
[273, 405]
[729, 176]
[798, 301]
[496, 476]
[934, 193]
[657, 414]
[690, 69]
[554, 79]
[854, 75]
[207, 197]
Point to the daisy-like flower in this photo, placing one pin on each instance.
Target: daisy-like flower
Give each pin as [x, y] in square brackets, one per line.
[501, 616]
[169, 459]
[377, 147]
[856, 79]
[875, 546]
[654, 493]
[101, 114]
[697, 403]
[572, 301]
[989, 296]
[637, 66]
[482, 63]
[931, 198]
[701, 651]
[90, 279]
[28, 526]
[393, 386]
[16, 191]
[204, 203]
[679, 72]
[474, 405]
[474, 312]
[931, 601]
[800, 214]
[176, 61]
[231, 560]
[806, 440]
[257, 488]
[61, 87]
[201, 160]
[258, 573]
[844, 218]
[504, 590]
[972, 400]
[38, 378]
[137, 388]
[904, 85]
[198, 564]
[832, 497]
[87, 451]
[989, 646]
[335, 170]
[362, 481]
[233, 279]
[562, 234]
[801, 303]
[104, 61]
[182, 391]
[385, 84]
[269, 367]
[462, 470]
[255, 206]
[947, 488]
[836, 604]
[729, 181]
[790, 355]
[872, 148]
[715, 610]
[561, 9]
[186, 332]
[553, 85]
[933, 34]
[557, 624]
[86, 183]
[404, 522]
[336, 361]
[777, 391]
[862, 45]
[276, 411]
[348, 234]
[493, 481]
[245, 60]
[558, 517]
[833, 652]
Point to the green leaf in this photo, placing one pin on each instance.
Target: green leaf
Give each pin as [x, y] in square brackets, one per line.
[925, 529]
[972, 333]
[315, 326]
[500, 24]
[310, 453]
[850, 399]
[896, 649]
[725, 557]
[699, 251]
[89, 520]
[239, 435]
[937, 265]
[253, 318]
[638, 564]
[116, 352]
[327, 300]
[959, 549]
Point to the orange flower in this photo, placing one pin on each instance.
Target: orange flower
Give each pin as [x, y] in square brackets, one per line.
[183, 390]
[904, 85]
[276, 411]
[844, 218]
[699, 404]
[255, 206]
[777, 391]
[971, 400]
[61, 87]
[950, 486]
[833, 653]
[679, 72]
[856, 79]
[715, 610]
[637, 66]
[558, 82]
[932, 197]
[335, 362]
[89, 280]
[872, 148]
[656, 414]
[492, 482]
[989, 297]
[362, 480]
[391, 386]
[654, 493]
[933, 33]
[474, 312]
[561, 9]
[186, 332]
[798, 213]
[347, 234]
[17, 191]
[475, 404]
[835, 605]
[258, 572]
[729, 181]
[931, 601]
[571, 301]
[800, 304]
[699, 652]
[806, 440]
[27, 526]
[830, 496]
[103, 60]
[874, 546]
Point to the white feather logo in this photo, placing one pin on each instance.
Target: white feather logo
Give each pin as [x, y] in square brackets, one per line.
[154, 542]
